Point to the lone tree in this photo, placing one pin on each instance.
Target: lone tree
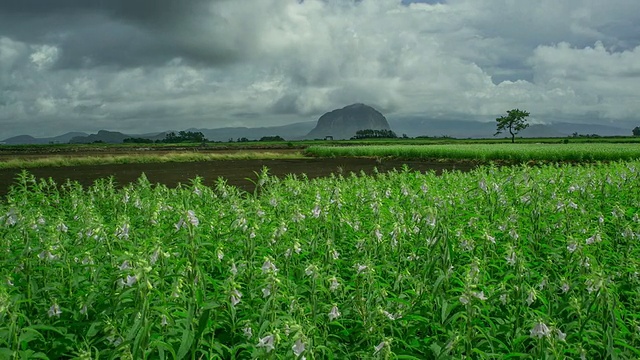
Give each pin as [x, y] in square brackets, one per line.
[636, 131]
[514, 122]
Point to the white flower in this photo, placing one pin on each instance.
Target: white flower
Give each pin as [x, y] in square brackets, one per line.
[480, 295]
[268, 266]
[191, 217]
[220, 255]
[490, 238]
[234, 269]
[130, 280]
[164, 321]
[310, 270]
[361, 268]
[464, 300]
[565, 288]
[267, 342]
[335, 254]
[334, 284]
[540, 330]
[531, 298]
[334, 313]
[298, 348]
[504, 298]
[122, 232]
[572, 247]
[316, 211]
[379, 347]
[560, 335]
[54, 310]
[125, 265]
[511, 258]
[248, 332]
[266, 291]
[62, 228]
[235, 297]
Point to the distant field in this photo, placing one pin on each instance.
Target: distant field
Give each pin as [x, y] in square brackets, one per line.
[111, 159]
[489, 152]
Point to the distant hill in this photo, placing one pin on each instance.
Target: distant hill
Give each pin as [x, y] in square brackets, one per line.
[412, 126]
[293, 131]
[30, 140]
[344, 123]
[109, 137]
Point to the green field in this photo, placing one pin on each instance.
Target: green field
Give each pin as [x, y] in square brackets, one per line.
[489, 152]
[112, 159]
[509, 262]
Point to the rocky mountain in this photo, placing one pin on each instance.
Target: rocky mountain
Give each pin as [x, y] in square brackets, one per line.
[111, 137]
[343, 123]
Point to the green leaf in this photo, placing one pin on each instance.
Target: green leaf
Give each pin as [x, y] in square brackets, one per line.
[185, 343]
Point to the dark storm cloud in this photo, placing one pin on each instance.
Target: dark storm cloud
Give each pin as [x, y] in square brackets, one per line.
[124, 32]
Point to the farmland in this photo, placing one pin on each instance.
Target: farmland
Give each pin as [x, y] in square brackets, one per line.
[520, 262]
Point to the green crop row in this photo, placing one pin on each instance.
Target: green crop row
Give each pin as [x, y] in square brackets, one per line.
[509, 262]
[489, 152]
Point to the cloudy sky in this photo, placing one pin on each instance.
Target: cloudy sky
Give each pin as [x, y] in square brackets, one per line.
[149, 65]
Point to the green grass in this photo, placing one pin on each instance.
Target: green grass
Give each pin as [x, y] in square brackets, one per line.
[58, 161]
[509, 262]
[489, 152]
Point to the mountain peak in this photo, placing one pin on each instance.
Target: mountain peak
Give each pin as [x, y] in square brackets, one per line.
[344, 123]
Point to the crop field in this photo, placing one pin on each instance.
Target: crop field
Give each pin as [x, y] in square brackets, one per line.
[496, 263]
[490, 152]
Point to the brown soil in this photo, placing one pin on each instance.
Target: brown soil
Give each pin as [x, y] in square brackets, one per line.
[237, 172]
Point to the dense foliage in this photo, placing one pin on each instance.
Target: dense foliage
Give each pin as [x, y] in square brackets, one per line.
[489, 152]
[374, 134]
[527, 262]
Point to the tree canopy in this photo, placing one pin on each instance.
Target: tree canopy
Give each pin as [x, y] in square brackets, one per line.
[514, 122]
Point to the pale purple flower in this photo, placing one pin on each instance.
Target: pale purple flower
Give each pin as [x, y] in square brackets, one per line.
[334, 313]
[593, 239]
[504, 298]
[316, 211]
[480, 295]
[83, 309]
[54, 310]
[154, 256]
[163, 321]
[379, 347]
[180, 224]
[490, 238]
[248, 332]
[540, 330]
[335, 254]
[191, 217]
[62, 228]
[130, 280]
[464, 300]
[511, 258]
[267, 342]
[234, 269]
[564, 288]
[266, 291]
[235, 297]
[560, 335]
[311, 270]
[125, 265]
[298, 348]
[572, 247]
[268, 266]
[531, 298]
[334, 284]
[122, 232]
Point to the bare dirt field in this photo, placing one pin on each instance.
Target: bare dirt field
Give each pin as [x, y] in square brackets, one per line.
[236, 172]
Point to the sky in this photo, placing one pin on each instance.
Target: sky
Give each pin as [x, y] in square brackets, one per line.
[141, 66]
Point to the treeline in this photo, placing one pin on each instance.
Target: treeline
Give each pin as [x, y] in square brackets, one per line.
[172, 138]
[374, 134]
